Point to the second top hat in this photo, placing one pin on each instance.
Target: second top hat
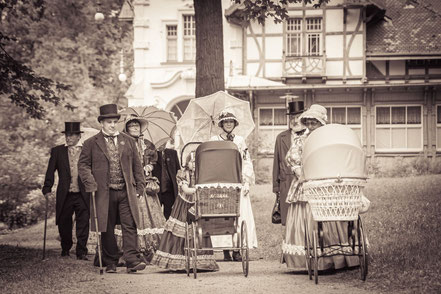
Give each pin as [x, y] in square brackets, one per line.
[295, 107]
[72, 127]
[108, 111]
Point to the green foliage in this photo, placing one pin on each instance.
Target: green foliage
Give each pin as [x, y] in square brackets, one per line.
[57, 65]
[277, 10]
[402, 167]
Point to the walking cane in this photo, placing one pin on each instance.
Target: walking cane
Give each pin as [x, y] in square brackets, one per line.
[98, 233]
[45, 226]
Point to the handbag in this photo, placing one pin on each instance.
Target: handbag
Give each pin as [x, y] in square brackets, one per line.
[276, 218]
[152, 186]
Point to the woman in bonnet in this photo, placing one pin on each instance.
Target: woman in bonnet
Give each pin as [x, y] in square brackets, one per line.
[335, 233]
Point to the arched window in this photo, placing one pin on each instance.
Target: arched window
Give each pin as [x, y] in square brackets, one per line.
[179, 108]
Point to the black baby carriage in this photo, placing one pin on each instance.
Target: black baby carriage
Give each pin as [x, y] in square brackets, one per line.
[218, 167]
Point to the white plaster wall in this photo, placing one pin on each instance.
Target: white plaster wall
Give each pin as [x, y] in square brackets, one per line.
[273, 69]
[356, 67]
[334, 68]
[252, 69]
[334, 48]
[314, 12]
[252, 49]
[356, 49]
[273, 47]
[273, 28]
[334, 20]
[352, 19]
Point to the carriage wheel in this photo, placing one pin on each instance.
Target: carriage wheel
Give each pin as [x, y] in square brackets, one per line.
[363, 253]
[187, 249]
[315, 250]
[308, 251]
[244, 248]
[195, 251]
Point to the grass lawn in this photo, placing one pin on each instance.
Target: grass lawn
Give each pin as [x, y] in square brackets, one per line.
[402, 226]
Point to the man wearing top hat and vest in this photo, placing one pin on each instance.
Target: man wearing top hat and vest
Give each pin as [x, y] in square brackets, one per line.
[110, 167]
[282, 173]
[71, 195]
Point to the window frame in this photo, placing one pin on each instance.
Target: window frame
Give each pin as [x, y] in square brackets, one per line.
[192, 37]
[406, 126]
[275, 130]
[437, 126]
[168, 38]
[304, 34]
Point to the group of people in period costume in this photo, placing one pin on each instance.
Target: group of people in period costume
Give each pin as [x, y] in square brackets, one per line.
[144, 197]
[295, 210]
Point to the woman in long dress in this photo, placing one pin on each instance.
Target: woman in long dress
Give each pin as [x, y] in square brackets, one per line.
[171, 254]
[227, 122]
[151, 217]
[299, 212]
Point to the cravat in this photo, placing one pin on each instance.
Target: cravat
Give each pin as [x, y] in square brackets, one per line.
[111, 138]
[230, 137]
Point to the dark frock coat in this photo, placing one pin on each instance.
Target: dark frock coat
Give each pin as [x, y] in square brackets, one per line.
[282, 173]
[171, 157]
[93, 168]
[59, 161]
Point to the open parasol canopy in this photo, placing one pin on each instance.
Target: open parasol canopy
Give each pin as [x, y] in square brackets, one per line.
[199, 121]
[161, 124]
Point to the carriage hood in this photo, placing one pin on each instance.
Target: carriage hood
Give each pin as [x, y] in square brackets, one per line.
[333, 151]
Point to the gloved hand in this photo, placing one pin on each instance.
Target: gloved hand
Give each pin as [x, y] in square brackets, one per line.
[246, 187]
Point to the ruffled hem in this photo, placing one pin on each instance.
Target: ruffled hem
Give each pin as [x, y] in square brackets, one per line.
[176, 262]
[177, 228]
[143, 232]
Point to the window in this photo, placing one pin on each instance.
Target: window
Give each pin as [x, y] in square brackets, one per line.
[438, 127]
[399, 128]
[350, 115]
[172, 43]
[271, 121]
[312, 33]
[294, 37]
[189, 38]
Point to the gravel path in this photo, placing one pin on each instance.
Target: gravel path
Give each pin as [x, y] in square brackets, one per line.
[264, 277]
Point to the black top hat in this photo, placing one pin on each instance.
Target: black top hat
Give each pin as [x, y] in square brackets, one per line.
[72, 127]
[108, 111]
[295, 107]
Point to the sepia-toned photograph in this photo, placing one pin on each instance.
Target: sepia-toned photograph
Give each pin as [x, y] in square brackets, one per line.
[220, 146]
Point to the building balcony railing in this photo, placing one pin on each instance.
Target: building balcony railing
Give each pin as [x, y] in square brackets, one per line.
[303, 65]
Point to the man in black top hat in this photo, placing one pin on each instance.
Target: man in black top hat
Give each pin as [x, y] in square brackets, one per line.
[71, 196]
[110, 166]
[282, 173]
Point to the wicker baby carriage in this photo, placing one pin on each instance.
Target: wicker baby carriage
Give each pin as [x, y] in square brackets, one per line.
[334, 172]
[218, 167]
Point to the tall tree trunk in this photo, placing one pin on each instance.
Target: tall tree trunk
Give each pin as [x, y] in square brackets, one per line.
[209, 47]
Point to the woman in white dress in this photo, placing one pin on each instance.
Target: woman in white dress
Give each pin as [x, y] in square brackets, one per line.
[227, 122]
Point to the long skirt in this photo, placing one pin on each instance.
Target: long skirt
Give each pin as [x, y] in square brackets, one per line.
[334, 235]
[150, 227]
[171, 254]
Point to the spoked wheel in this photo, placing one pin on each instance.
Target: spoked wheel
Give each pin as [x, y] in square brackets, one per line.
[315, 250]
[187, 249]
[308, 251]
[244, 250]
[195, 251]
[362, 251]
